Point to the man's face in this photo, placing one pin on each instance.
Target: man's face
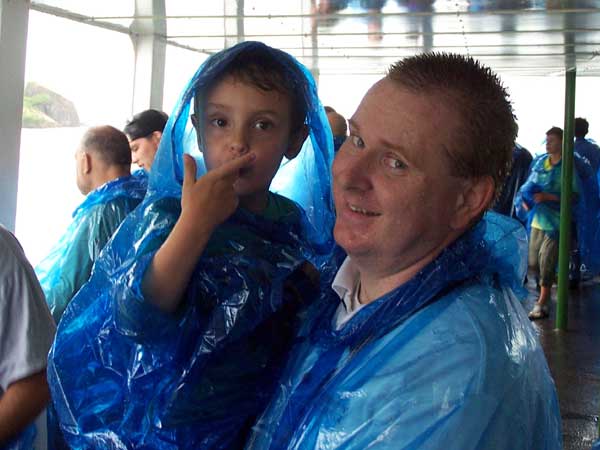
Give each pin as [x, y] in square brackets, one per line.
[81, 179]
[143, 150]
[394, 195]
[553, 144]
[239, 118]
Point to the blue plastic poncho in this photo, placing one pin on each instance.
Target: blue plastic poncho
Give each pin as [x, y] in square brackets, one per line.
[521, 160]
[586, 208]
[447, 360]
[123, 374]
[69, 264]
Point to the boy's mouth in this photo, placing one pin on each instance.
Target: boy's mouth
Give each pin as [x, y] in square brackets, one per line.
[244, 171]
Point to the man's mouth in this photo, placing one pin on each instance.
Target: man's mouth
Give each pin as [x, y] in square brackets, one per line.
[363, 211]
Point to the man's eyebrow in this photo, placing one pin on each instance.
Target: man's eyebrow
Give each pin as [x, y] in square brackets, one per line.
[382, 142]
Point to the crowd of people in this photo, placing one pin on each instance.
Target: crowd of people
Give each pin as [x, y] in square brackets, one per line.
[276, 277]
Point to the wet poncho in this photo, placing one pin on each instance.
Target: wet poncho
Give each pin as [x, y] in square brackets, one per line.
[521, 160]
[585, 209]
[448, 360]
[69, 264]
[125, 375]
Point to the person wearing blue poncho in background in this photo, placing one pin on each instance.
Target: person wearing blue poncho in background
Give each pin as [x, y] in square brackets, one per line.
[180, 335]
[586, 148]
[103, 162]
[538, 204]
[422, 342]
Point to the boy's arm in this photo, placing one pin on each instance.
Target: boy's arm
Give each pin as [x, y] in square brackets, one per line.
[205, 203]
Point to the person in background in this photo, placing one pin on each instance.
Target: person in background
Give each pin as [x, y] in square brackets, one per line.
[586, 148]
[144, 132]
[519, 170]
[540, 199]
[26, 334]
[339, 127]
[102, 162]
[421, 341]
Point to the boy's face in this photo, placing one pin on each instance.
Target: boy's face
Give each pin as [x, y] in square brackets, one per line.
[239, 118]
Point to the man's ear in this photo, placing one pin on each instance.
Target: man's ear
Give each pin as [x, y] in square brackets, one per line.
[476, 196]
[297, 138]
[86, 162]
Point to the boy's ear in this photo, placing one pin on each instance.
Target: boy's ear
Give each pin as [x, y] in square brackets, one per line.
[297, 138]
[194, 119]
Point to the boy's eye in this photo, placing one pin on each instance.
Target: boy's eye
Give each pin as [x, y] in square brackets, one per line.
[393, 163]
[218, 122]
[263, 125]
[357, 141]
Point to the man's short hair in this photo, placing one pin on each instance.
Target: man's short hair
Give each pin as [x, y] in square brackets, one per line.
[483, 145]
[556, 131]
[338, 124]
[145, 123]
[110, 144]
[581, 127]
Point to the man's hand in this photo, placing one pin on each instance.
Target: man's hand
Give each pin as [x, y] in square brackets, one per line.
[211, 199]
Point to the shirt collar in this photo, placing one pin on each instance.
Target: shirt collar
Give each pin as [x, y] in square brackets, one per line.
[345, 281]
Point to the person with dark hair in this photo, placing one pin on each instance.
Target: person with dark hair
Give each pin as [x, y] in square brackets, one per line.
[103, 162]
[540, 199]
[519, 170]
[421, 341]
[339, 127]
[144, 132]
[586, 148]
[183, 329]
[26, 333]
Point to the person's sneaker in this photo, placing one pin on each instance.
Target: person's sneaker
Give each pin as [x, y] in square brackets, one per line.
[538, 312]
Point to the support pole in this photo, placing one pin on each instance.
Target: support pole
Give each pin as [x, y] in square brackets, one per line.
[14, 20]
[565, 202]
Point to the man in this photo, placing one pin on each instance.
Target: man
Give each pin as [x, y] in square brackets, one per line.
[26, 333]
[103, 162]
[540, 197]
[339, 127]
[144, 132]
[584, 147]
[422, 343]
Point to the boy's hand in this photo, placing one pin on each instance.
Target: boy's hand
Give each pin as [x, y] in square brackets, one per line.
[211, 199]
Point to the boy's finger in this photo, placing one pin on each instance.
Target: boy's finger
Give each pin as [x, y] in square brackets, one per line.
[189, 170]
[232, 168]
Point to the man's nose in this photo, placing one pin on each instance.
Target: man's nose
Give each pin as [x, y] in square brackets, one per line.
[354, 172]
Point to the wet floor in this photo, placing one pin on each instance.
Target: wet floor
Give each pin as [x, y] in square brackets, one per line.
[574, 360]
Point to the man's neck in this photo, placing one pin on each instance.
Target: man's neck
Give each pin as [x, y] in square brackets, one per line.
[555, 158]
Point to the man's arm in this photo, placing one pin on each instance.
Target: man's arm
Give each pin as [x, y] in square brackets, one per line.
[205, 203]
[22, 402]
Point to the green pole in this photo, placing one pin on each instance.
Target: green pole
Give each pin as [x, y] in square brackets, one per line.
[565, 202]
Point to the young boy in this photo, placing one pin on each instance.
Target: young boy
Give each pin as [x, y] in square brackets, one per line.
[179, 337]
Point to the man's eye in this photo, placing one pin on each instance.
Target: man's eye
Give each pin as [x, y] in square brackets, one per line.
[357, 141]
[393, 163]
[263, 125]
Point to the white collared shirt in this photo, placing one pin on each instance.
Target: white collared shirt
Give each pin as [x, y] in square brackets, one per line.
[345, 284]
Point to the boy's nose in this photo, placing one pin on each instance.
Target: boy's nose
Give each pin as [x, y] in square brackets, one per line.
[239, 143]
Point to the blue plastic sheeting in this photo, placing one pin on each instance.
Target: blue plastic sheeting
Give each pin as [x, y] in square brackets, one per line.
[589, 151]
[519, 170]
[124, 375]
[586, 208]
[596, 445]
[69, 264]
[447, 360]
[24, 441]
